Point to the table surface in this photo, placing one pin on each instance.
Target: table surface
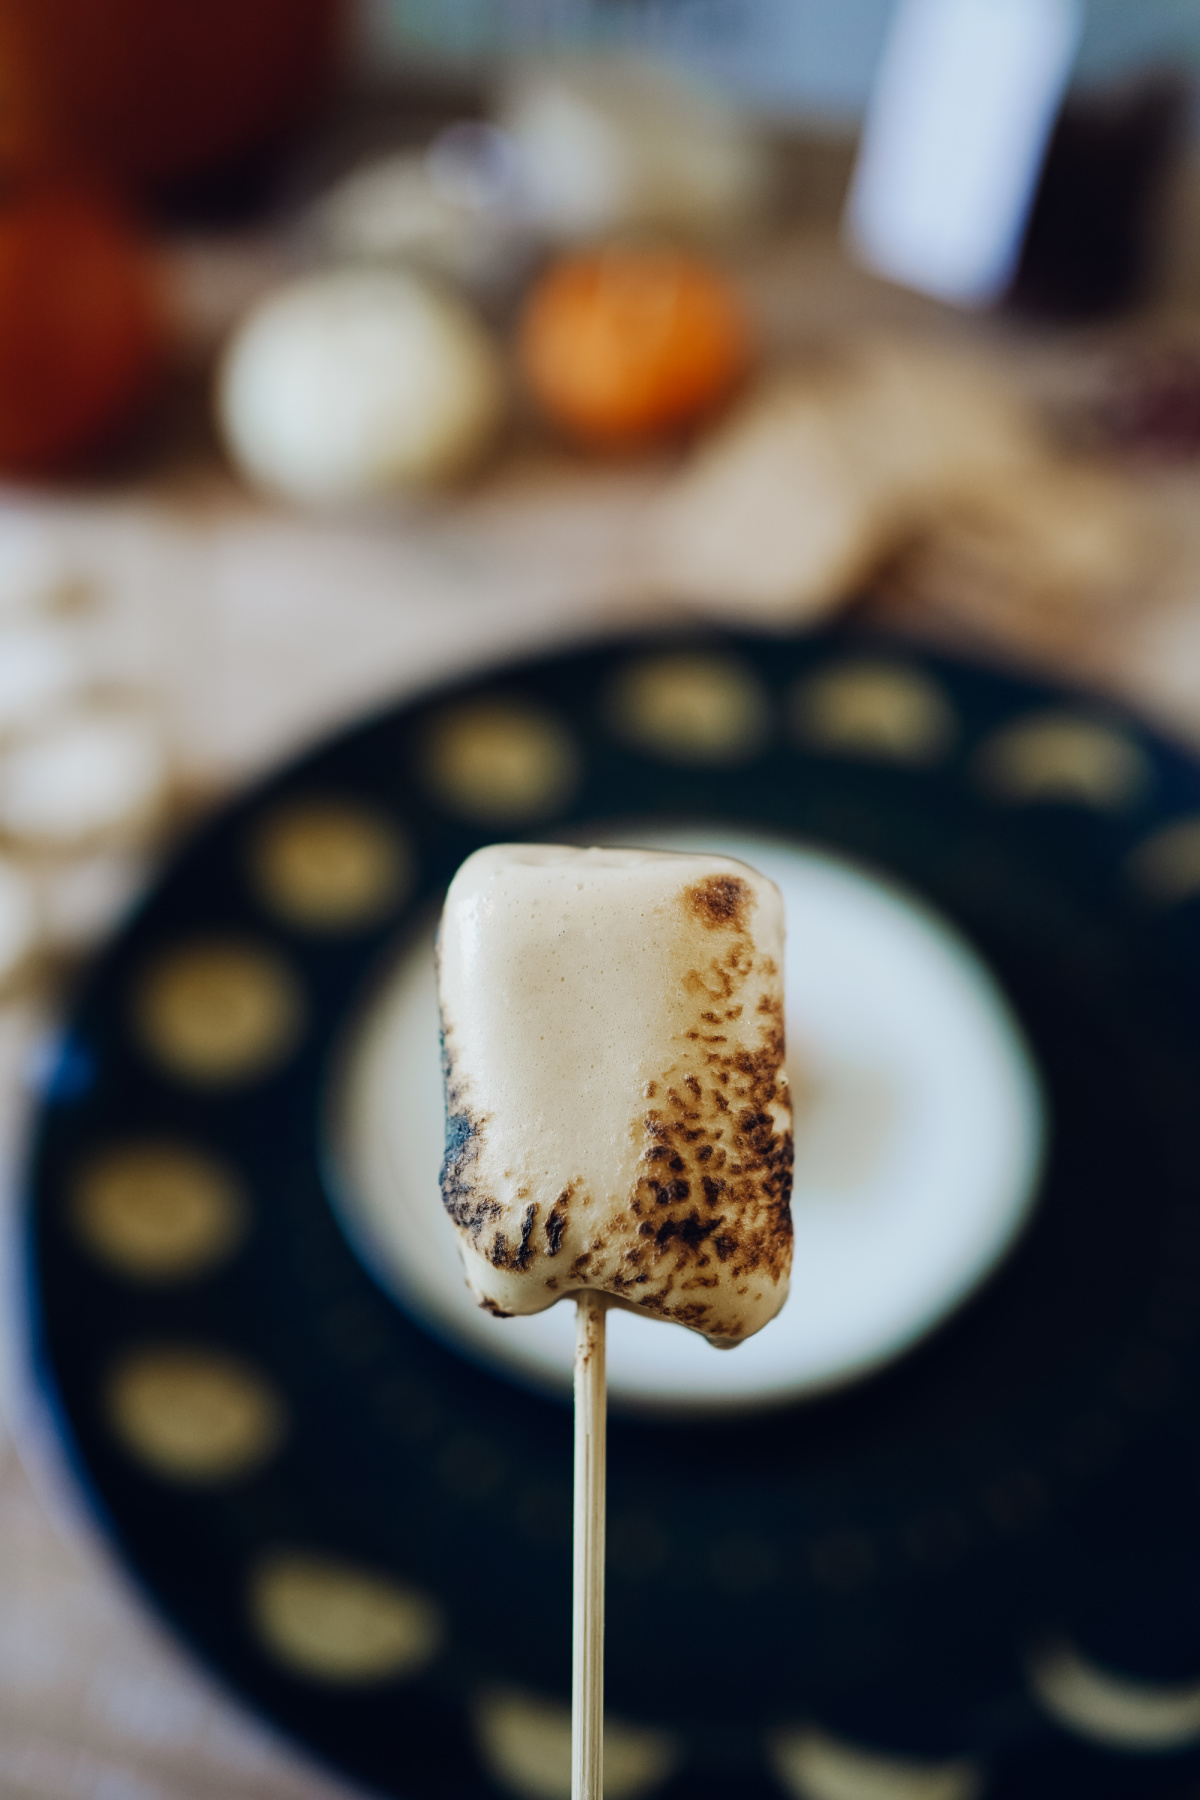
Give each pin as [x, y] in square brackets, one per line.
[254, 631]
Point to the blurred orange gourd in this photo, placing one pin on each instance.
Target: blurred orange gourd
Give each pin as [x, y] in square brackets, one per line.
[622, 347]
[146, 92]
[80, 336]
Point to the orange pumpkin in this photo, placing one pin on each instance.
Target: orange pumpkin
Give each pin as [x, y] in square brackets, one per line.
[625, 346]
[153, 91]
[80, 336]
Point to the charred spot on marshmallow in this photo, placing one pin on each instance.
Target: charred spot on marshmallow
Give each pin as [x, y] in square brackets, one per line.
[556, 1222]
[469, 1207]
[523, 1254]
[730, 1199]
[720, 901]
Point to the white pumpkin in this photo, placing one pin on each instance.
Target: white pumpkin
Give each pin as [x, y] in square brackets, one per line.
[355, 384]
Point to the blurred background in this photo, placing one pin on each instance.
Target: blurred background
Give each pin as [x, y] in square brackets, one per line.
[347, 344]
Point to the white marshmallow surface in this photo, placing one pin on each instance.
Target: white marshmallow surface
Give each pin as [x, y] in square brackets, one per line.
[617, 1113]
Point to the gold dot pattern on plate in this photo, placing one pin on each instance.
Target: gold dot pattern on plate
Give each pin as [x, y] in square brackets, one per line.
[329, 865]
[219, 1012]
[815, 1766]
[525, 1742]
[1064, 758]
[876, 711]
[690, 708]
[1167, 866]
[194, 1415]
[499, 762]
[1114, 1710]
[339, 1623]
[157, 1212]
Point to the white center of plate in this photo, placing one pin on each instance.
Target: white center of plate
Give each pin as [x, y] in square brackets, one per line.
[919, 1134]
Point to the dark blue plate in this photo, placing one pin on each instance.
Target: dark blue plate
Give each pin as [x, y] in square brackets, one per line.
[981, 1565]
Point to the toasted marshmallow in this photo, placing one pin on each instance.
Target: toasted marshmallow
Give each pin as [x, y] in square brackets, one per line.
[617, 1113]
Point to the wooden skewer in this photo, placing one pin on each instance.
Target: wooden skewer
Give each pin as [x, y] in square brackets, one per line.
[587, 1673]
